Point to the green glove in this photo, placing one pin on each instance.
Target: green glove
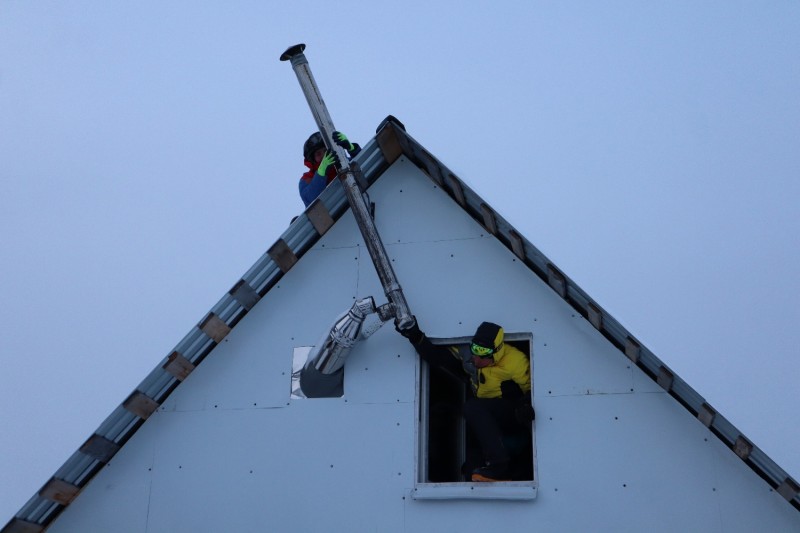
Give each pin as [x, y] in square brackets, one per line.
[341, 139]
[327, 160]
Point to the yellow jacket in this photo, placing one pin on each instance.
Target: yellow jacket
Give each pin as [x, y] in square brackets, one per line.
[509, 363]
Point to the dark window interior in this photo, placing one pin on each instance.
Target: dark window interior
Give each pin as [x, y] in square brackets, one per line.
[449, 443]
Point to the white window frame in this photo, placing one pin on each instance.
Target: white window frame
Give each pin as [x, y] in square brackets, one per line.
[506, 490]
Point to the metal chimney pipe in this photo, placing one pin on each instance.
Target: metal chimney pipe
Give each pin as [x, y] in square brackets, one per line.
[330, 353]
[391, 287]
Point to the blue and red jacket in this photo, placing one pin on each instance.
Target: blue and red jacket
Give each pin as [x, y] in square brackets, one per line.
[312, 184]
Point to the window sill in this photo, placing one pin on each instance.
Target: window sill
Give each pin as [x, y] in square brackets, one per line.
[504, 490]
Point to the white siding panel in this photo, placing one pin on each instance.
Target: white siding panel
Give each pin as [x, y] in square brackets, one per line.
[315, 466]
[641, 452]
[230, 452]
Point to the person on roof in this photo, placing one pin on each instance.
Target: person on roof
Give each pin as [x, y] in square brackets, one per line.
[499, 384]
[321, 164]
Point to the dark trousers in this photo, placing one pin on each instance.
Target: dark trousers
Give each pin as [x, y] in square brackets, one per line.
[488, 420]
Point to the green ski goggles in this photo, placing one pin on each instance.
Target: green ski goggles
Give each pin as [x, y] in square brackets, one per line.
[481, 351]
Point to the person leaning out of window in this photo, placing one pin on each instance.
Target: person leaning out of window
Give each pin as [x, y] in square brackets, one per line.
[498, 383]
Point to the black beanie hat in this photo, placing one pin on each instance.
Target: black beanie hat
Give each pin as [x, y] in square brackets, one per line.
[312, 144]
[489, 335]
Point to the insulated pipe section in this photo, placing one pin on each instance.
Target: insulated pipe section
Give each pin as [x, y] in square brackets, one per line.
[323, 376]
[377, 252]
[330, 353]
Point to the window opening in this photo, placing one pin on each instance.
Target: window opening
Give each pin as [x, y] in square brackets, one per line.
[446, 445]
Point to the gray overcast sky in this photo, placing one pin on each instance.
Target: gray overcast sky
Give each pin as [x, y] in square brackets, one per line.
[150, 152]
